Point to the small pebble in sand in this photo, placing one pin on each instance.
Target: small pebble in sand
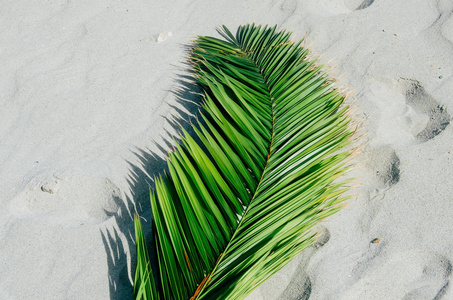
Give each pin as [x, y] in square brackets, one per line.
[47, 189]
[50, 187]
[163, 36]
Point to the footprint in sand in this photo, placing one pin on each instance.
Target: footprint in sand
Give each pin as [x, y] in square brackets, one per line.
[367, 259]
[69, 201]
[421, 101]
[385, 165]
[299, 289]
[293, 282]
[407, 113]
[300, 286]
[322, 238]
[411, 274]
[433, 283]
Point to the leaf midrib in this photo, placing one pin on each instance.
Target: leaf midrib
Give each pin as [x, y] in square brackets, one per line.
[270, 150]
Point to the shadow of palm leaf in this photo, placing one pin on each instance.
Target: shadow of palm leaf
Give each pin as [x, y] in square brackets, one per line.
[119, 240]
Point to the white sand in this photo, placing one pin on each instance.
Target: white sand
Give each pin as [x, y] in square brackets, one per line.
[86, 92]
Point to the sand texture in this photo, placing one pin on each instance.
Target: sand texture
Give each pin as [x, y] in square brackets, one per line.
[90, 91]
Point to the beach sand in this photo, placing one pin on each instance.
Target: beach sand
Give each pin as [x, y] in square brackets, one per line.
[90, 91]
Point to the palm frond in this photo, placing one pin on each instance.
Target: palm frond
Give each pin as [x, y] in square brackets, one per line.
[144, 285]
[238, 204]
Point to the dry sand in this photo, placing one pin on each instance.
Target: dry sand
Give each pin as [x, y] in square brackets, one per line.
[88, 92]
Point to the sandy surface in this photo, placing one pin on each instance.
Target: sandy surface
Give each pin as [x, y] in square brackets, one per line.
[88, 92]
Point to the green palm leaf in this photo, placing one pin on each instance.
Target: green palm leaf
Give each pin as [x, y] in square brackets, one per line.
[238, 204]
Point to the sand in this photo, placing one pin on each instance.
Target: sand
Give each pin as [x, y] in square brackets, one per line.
[88, 95]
